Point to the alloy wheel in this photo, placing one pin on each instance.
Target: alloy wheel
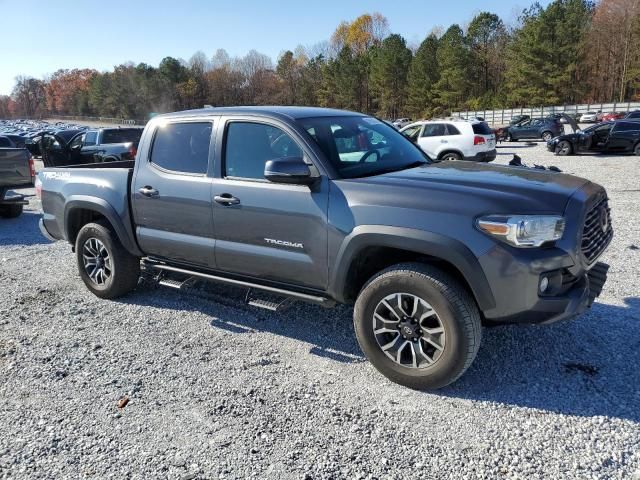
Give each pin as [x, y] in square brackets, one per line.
[96, 261]
[408, 330]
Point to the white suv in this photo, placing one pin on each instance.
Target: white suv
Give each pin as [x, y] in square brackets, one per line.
[453, 139]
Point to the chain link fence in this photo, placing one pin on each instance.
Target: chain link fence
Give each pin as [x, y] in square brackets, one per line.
[503, 117]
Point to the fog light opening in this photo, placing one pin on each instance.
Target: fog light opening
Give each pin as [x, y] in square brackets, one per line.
[544, 284]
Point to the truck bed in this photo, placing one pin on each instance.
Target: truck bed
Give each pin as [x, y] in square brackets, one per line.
[14, 168]
[105, 187]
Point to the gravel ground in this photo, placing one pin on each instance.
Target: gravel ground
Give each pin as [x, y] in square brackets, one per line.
[220, 390]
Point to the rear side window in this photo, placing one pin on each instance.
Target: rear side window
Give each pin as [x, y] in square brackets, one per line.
[634, 115]
[452, 130]
[250, 145]
[5, 142]
[481, 129]
[121, 135]
[627, 127]
[434, 130]
[182, 147]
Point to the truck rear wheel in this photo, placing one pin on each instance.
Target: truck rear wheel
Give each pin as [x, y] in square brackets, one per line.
[11, 211]
[105, 266]
[417, 325]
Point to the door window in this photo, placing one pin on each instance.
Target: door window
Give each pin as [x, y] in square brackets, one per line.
[90, 138]
[627, 127]
[434, 130]
[76, 142]
[412, 132]
[250, 145]
[452, 129]
[182, 147]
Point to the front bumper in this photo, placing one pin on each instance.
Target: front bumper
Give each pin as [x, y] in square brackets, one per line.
[516, 287]
[488, 156]
[552, 144]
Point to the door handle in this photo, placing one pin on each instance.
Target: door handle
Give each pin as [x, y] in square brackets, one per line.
[226, 199]
[148, 191]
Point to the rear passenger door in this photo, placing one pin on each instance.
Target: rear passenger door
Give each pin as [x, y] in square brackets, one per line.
[623, 137]
[270, 231]
[171, 192]
[89, 147]
[433, 139]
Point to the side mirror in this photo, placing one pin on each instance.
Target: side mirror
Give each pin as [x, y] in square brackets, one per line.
[76, 147]
[291, 170]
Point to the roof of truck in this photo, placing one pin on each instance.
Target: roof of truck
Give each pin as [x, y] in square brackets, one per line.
[283, 111]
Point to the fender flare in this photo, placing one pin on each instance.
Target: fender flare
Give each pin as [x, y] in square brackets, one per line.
[425, 243]
[101, 206]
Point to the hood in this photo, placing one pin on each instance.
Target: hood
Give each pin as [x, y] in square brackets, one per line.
[483, 187]
[571, 121]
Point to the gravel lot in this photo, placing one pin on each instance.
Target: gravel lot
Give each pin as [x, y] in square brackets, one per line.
[220, 390]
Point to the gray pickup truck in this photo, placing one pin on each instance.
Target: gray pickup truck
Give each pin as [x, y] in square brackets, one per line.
[17, 170]
[328, 206]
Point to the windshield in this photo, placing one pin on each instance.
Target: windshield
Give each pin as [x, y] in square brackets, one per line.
[362, 146]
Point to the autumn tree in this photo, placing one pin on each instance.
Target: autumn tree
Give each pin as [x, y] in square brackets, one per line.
[364, 32]
[29, 96]
[612, 61]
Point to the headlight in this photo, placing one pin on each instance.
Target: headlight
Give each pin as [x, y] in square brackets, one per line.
[523, 230]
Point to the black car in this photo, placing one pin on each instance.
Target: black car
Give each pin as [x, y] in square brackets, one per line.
[634, 114]
[74, 147]
[534, 128]
[621, 136]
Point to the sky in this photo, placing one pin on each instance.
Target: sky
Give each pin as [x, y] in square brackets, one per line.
[38, 37]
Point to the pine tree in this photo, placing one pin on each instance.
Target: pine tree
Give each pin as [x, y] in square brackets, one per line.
[423, 75]
[389, 70]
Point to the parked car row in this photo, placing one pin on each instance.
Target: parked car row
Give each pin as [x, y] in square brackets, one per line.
[28, 133]
[68, 144]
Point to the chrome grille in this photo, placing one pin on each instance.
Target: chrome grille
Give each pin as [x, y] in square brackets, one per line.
[597, 231]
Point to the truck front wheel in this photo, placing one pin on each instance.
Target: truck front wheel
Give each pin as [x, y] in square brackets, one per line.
[105, 266]
[417, 325]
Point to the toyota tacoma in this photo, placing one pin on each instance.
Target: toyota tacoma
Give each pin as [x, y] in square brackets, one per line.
[328, 206]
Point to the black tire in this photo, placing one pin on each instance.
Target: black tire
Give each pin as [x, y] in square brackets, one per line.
[124, 268]
[563, 148]
[11, 211]
[636, 150]
[450, 156]
[457, 314]
[546, 136]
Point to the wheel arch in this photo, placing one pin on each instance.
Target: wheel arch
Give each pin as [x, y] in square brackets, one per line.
[370, 249]
[450, 150]
[80, 210]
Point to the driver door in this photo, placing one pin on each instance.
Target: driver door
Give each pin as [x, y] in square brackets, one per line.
[600, 138]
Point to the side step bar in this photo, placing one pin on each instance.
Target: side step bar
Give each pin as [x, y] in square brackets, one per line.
[323, 301]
